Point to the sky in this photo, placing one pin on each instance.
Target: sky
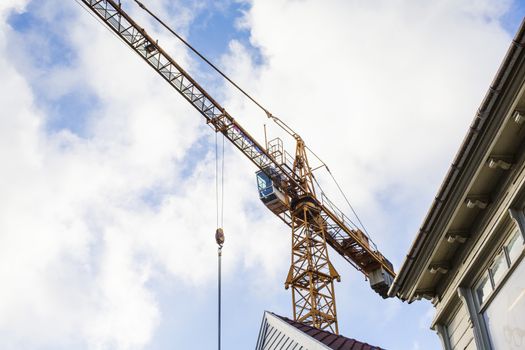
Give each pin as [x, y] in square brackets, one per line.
[107, 198]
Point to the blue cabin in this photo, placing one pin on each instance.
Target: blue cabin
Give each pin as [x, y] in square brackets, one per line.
[271, 196]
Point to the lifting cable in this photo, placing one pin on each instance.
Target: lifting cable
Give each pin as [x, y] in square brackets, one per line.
[219, 182]
[219, 233]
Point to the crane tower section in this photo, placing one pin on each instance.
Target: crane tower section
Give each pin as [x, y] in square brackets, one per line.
[285, 186]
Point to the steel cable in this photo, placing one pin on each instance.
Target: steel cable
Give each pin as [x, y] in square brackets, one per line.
[219, 255]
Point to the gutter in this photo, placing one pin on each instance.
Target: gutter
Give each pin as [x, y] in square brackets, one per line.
[455, 170]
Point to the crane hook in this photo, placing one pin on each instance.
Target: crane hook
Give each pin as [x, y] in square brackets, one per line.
[219, 237]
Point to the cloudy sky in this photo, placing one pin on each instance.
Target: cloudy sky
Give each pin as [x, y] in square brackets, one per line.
[107, 191]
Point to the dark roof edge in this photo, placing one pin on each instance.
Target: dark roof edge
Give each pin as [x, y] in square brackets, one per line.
[455, 169]
[330, 340]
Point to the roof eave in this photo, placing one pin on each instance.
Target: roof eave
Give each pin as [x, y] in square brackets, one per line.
[450, 183]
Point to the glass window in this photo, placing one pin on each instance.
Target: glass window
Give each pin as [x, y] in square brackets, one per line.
[505, 315]
[484, 288]
[264, 184]
[515, 246]
[499, 267]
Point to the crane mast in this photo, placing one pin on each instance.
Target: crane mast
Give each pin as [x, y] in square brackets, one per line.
[311, 273]
[285, 184]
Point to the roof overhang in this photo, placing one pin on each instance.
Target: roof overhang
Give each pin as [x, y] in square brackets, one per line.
[472, 184]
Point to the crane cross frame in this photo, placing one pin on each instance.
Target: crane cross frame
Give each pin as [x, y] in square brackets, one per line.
[350, 243]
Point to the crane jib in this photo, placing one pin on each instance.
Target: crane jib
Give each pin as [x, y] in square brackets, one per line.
[137, 38]
[353, 246]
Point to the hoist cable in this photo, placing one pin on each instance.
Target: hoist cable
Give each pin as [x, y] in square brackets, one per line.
[219, 182]
[222, 184]
[216, 182]
[219, 237]
[219, 255]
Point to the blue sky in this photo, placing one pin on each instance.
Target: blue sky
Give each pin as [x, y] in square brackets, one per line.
[115, 171]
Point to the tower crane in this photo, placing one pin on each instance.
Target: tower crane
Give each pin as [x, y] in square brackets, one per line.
[286, 185]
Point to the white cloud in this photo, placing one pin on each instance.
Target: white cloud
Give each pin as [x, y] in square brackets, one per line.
[79, 243]
[8, 6]
[382, 92]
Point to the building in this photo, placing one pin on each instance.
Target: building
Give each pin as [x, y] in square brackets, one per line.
[279, 332]
[468, 256]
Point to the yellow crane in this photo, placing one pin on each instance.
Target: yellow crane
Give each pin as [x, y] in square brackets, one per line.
[286, 185]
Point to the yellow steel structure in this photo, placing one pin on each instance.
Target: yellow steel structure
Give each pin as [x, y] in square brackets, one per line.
[311, 274]
[287, 188]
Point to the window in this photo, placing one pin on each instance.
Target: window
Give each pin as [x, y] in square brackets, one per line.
[501, 297]
[264, 184]
[514, 247]
[484, 288]
[499, 267]
[505, 315]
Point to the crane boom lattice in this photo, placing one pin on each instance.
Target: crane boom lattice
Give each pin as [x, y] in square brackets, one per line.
[285, 188]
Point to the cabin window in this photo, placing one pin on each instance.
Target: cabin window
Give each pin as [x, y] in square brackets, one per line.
[264, 184]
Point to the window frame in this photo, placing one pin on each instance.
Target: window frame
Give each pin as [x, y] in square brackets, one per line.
[480, 306]
[510, 267]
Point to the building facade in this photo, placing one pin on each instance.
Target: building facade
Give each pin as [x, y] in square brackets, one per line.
[468, 256]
